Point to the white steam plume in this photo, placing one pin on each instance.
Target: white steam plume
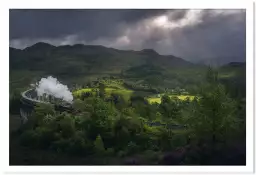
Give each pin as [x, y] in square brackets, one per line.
[51, 86]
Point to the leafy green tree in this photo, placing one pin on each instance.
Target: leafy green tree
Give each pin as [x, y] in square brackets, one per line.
[132, 147]
[41, 110]
[169, 108]
[165, 138]
[14, 102]
[82, 106]
[165, 99]
[29, 138]
[212, 76]
[158, 116]
[213, 118]
[65, 125]
[79, 145]
[44, 136]
[102, 91]
[99, 145]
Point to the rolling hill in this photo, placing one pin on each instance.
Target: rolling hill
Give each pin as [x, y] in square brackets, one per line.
[68, 62]
[82, 63]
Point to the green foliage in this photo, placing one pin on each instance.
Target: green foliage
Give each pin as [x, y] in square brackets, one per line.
[121, 153]
[213, 118]
[14, 102]
[81, 106]
[170, 107]
[29, 138]
[118, 123]
[165, 99]
[102, 91]
[78, 145]
[179, 140]
[99, 145]
[67, 126]
[43, 109]
[110, 151]
[45, 136]
[132, 148]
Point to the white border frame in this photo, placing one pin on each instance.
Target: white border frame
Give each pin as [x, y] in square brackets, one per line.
[142, 4]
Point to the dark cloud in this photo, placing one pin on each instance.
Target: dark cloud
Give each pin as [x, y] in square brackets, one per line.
[191, 34]
[216, 36]
[90, 24]
[177, 15]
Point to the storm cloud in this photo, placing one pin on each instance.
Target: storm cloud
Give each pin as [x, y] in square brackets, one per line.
[190, 34]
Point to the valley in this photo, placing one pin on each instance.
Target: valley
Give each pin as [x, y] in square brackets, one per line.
[129, 107]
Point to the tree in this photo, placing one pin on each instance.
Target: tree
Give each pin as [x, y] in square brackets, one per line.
[211, 76]
[213, 118]
[41, 110]
[102, 91]
[115, 98]
[85, 95]
[67, 125]
[82, 106]
[99, 145]
[14, 102]
[165, 99]
[169, 107]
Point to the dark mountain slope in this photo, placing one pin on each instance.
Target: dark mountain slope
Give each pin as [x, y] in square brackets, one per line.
[81, 63]
[233, 75]
[86, 59]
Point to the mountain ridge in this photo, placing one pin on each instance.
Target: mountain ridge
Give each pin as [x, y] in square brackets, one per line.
[43, 45]
[94, 55]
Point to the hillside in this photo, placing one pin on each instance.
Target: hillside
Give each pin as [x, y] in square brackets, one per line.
[135, 111]
[86, 58]
[80, 64]
[79, 61]
[233, 75]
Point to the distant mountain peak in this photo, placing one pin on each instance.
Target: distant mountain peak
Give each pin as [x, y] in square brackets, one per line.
[149, 51]
[40, 45]
[13, 49]
[83, 46]
[235, 64]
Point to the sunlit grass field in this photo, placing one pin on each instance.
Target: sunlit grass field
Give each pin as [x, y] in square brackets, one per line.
[126, 93]
[80, 91]
[181, 97]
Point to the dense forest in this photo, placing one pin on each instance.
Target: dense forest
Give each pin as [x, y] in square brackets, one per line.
[129, 108]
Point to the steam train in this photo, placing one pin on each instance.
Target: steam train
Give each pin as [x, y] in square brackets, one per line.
[29, 99]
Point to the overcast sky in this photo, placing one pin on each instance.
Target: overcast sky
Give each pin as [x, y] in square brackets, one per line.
[190, 34]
